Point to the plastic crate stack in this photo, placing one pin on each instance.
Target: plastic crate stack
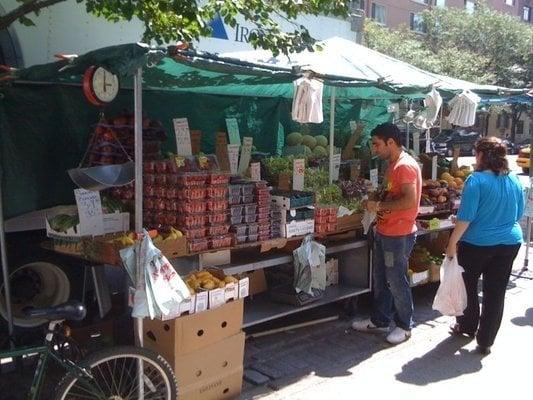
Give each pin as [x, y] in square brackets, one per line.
[262, 196]
[249, 212]
[325, 219]
[276, 217]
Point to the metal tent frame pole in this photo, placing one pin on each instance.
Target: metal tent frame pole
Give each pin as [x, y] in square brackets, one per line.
[331, 131]
[5, 266]
[139, 273]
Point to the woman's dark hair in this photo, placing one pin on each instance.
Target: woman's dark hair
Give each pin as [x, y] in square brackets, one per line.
[387, 131]
[493, 153]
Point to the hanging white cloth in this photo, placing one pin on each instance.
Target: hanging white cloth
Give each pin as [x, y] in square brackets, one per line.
[427, 117]
[464, 107]
[307, 101]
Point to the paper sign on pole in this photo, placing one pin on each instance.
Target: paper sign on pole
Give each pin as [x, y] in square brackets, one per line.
[183, 137]
[416, 142]
[90, 212]
[233, 155]
[298, 174]
[529, 201]
[246, 154]
[353, 126]
[374, 178]
[393, 108]
[336, 166]
[428, 142]
[221, 150]
[255, 171]
[233, 131]
[434, 168]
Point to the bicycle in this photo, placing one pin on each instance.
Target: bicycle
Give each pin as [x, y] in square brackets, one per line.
[109, 374]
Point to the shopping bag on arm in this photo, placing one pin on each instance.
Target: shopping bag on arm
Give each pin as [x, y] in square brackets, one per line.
[451, 298]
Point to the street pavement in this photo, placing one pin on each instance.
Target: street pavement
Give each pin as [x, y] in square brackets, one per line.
[332, 360]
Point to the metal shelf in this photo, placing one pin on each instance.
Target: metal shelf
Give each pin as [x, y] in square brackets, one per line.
[253, 262]
[261, 309]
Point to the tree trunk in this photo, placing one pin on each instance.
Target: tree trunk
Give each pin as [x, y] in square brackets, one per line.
[515, 117]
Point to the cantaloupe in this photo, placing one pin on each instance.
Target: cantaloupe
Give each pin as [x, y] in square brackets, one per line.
[294, 138]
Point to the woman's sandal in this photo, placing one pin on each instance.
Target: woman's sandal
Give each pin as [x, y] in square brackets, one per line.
[455, 329]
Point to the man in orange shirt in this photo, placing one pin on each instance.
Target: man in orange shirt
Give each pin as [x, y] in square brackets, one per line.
[395, 236]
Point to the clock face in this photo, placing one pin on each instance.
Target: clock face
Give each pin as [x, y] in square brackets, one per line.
[105, 85]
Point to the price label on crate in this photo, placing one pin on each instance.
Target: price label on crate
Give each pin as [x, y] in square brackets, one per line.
[255, 171]
[233, 155]
[374, 178]
[298, 173]
[183, 136]
[434, 168]
[90, 212]
[246, 154]
[233, 131]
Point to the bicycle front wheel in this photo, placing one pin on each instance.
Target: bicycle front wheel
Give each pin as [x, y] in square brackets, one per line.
[113, 374]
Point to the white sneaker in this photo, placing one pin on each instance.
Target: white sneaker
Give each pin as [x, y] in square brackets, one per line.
[367, 325]
[398, 335]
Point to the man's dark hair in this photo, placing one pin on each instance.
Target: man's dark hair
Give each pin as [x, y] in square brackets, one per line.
[387, 131]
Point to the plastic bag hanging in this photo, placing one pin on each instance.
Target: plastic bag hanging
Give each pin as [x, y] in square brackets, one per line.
[309, 266]
[451, 298]
[307, 101]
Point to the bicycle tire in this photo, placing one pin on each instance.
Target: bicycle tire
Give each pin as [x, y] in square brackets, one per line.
[94, 362]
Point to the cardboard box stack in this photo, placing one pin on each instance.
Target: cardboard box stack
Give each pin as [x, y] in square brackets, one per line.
[206, 351]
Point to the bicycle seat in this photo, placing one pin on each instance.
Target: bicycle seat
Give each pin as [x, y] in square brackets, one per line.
[71, 310]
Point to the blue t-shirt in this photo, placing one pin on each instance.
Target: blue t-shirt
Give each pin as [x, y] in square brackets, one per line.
[493, 204]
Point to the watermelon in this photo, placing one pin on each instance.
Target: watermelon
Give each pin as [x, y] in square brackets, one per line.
[309, 141]
[294, 138]
[320, 151]
[321, 140]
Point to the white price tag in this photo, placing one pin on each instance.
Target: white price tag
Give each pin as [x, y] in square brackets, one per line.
[90, 212]
[374, 178]
[298, 174]
[416, 142]
[233, 155]
[183, 136]
[428, 142]
[233, 131]
[216, 298]
[434, 168]
[353, 126]
[246, 154]
[255, 171]
[336, 166]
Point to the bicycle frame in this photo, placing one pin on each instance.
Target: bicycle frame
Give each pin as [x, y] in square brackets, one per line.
[45, 353]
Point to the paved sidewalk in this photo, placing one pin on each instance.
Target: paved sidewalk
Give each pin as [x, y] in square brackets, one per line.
[332, 360]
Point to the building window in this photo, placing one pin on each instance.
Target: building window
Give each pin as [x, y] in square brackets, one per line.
[503, 120]
[379, 14]
[357, 5]
[526, 13]
[417, 23]
[440, 3]
[470, 6]
[509, 2]
[428, 2]
[520, 127]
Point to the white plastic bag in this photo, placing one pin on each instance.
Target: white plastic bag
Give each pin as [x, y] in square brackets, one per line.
[451, 298]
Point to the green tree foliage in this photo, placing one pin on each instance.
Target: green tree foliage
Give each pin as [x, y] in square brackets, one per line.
[168, 21]
[485, 47]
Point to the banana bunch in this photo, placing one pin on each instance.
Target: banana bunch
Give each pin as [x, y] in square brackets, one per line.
[207, 281]
[125, 240]
[174, 234]
[63, 222]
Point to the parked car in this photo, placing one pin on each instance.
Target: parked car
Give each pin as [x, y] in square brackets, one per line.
[448, 139]
[523, 159]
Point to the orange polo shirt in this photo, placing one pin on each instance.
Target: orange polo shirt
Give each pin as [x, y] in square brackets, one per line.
[404, 170]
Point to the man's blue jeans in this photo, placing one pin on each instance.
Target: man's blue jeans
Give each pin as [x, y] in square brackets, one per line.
[392, 293]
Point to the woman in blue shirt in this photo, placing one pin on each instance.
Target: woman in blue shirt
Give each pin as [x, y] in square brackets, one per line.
[486, 238]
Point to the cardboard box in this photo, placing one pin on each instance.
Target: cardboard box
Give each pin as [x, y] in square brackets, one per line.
[189, 333]
[332, 272]
[257, 281]
[298, 228]
[115, 222]
[173, 248]
[209, 362]
[222, 387]
[348, 222]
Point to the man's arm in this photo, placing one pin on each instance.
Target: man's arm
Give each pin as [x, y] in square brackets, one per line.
[406, 201]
